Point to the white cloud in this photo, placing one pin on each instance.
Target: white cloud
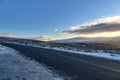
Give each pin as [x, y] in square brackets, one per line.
[104, 24]
[56, 30]
[44, 38]
[3, 34]
[76, 27]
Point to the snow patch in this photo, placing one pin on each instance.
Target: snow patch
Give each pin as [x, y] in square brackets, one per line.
[14, 66]
[96, 54]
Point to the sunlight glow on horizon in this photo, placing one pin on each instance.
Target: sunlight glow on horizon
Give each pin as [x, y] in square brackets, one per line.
[103, 34]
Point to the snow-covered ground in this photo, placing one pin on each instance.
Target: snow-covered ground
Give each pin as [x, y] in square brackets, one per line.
[96, 54]
[14, 66]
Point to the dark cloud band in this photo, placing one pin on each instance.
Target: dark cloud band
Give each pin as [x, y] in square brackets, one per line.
[96, 29]
[103, 25]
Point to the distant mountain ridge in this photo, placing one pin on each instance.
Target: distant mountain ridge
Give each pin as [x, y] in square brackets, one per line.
[108, 40]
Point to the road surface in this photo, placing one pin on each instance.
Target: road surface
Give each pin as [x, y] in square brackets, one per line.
[80, 67]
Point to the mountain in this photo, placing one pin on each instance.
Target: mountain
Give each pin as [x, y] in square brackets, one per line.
[107, 40]
[73, 40]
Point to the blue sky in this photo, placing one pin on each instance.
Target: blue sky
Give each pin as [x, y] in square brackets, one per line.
[32, 18]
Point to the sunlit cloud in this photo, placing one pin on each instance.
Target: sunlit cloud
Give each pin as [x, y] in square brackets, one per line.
[61, 35]
[56, 30]
[103, 34]
[3, 34]
[43, 38]
[108, 27]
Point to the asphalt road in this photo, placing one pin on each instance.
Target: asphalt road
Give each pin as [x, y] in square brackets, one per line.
[80, 67]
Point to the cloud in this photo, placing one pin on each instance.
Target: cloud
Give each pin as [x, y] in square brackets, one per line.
[44, 38]
[3, 34]
[56, 30]
[108, 24]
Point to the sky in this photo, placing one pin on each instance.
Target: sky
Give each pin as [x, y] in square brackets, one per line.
[59, 19]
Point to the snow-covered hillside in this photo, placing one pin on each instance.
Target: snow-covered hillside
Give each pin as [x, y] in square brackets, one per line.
[18, 67]
[93, 40]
